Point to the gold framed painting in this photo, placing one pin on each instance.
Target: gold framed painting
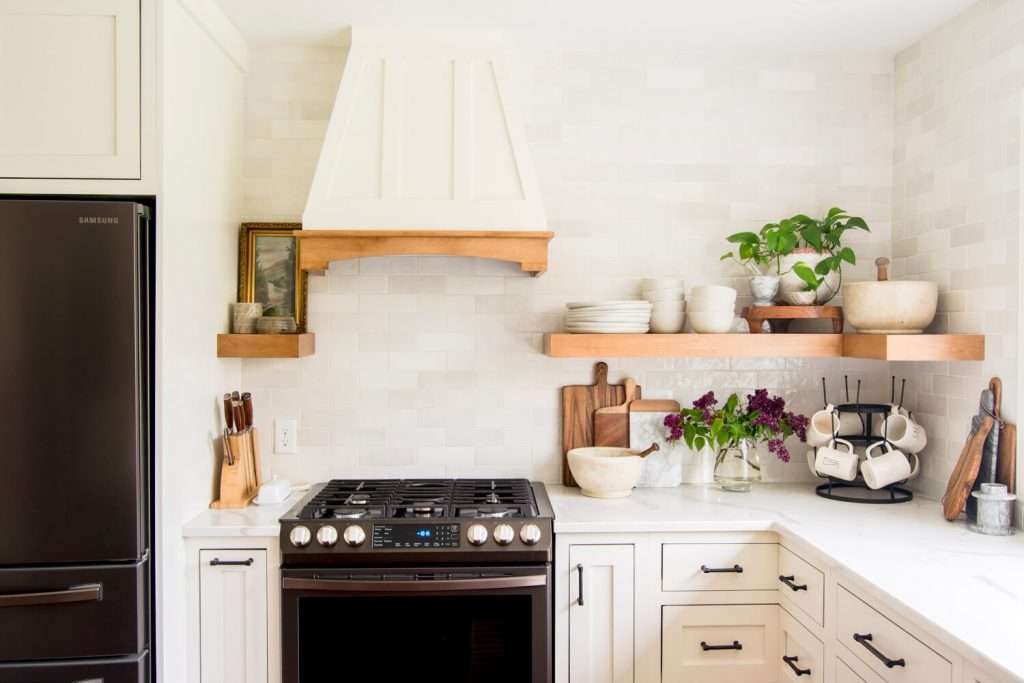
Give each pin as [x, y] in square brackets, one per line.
[268, 270]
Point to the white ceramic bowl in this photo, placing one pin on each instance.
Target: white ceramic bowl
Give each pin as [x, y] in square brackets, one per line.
[711, 322]
[668, 322]
[702, 306]
[890, 307]
[714, 294]
[655, 295]
[656, 283]
[605, 472]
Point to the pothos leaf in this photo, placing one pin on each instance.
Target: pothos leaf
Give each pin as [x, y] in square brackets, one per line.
[804, 272]
[743, 238]
[847, 255]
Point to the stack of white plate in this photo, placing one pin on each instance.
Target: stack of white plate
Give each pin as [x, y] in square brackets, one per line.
[710, 309]
[666, 297]
[608, 317]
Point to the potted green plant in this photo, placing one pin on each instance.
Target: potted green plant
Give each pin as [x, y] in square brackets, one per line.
[764, 248]
[734, 431]
[806, 253]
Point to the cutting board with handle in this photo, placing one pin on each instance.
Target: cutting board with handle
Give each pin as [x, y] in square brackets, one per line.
[579, 403]
[664, 467]
[611, 425]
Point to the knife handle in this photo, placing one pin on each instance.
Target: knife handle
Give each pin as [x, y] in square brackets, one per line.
[247, 409]
[237, 416]
[228, 420]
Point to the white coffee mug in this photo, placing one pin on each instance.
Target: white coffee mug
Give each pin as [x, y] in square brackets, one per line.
[890, 467]
[903, 433]
[827, 423]
[834, 462]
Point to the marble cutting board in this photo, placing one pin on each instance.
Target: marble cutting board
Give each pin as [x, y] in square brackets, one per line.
[665, 466]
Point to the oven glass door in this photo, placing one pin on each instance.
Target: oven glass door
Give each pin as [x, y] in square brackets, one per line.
[458, 625]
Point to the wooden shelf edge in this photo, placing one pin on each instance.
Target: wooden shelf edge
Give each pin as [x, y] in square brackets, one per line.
[529, 249]
[915, 347]
[266, 345]
[937, 347]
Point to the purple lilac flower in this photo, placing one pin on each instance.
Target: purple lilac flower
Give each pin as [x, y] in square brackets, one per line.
[676, 434]
[673, 420]
[798, 423]
[706, 401]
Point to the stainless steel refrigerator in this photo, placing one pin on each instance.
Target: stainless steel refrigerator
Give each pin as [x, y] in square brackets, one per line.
[75, 441]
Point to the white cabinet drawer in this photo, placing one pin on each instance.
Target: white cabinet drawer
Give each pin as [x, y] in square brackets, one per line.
[233, 616]
[844, 674]
[720, 644]
[802, 585]
[802, 659]
[719, 566]
[883, 646]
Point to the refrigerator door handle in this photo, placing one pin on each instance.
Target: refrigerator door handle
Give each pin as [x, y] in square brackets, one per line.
[89, 592]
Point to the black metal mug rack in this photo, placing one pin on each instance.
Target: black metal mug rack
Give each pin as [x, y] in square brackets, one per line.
[857, 491]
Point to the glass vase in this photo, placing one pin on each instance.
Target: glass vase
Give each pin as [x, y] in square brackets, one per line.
[737, 467]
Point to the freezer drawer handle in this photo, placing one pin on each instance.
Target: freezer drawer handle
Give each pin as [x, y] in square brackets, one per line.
[579, 600]
[735, 569]
[791, 662]
[736, 645]
[866, 639]
[791, 582]
[217, 562]
[356, 585]
[89, 592]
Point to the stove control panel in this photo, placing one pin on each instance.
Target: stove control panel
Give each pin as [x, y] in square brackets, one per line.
[425, 536]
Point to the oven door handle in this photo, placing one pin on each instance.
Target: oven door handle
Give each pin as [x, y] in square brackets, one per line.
[425, 586]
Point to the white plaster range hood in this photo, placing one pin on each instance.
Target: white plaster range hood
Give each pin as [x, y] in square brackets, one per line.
[424, 135]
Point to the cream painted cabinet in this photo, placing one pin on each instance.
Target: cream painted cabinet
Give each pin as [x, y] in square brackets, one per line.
[70, 89]
[601, 614]
[720, 643]
[233, 615]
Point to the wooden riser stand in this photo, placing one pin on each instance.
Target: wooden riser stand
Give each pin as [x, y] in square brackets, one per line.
[240, 480]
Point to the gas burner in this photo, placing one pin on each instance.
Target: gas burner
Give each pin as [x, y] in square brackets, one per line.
[489, 512]
[420, 511]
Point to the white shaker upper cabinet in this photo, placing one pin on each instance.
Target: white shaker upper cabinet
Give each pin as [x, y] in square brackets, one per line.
[69, 89]
[601, 614]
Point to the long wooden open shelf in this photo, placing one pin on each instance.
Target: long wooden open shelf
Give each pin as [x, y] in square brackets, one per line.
[317, 248]
[265, 345]
[923, 347]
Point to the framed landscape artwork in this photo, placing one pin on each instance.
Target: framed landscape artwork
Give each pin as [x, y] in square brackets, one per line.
[268, 270]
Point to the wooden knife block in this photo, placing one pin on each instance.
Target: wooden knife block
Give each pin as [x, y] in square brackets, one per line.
[239, 481]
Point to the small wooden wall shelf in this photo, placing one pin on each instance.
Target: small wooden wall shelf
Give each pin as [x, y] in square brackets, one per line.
[319, 247]
[265, 345]
[918, 347]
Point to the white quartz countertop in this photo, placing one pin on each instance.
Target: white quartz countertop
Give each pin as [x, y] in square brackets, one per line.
[255, 521]
[967, 586]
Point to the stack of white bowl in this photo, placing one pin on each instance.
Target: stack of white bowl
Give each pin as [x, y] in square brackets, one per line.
[711, 309]
[665, 295]
[608, 317]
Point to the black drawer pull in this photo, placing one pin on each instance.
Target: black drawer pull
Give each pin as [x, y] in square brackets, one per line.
[735, 569]
[866, 639]
[579, 600]
[736, 645]
[791, 582]
[791, 662]
[217, 562]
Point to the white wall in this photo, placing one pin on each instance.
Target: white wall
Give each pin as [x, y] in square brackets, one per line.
[648, 156]
[200, 208]
[957, 210]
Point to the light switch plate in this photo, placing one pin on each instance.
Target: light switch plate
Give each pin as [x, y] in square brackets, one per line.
[286, 435]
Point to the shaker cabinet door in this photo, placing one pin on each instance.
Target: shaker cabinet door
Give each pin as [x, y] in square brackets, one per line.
[601, 614]
[69, 78]
[233, 616]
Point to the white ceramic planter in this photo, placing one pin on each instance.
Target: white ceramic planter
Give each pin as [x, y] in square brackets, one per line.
[793, 290]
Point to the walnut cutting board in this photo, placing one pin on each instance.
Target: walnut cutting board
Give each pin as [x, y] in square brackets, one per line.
[611, 425]
[579, 402]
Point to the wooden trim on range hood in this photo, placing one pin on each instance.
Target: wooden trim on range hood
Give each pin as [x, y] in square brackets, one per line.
[527, 248]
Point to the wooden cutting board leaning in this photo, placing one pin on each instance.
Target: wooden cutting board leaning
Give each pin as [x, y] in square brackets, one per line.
[611, 425]
[579, 403]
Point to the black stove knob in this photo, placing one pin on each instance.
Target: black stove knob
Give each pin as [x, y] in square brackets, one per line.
[354, 535]
[476, 534]
[504, 534]
[530, 534]
[300, 536]
[327, 536]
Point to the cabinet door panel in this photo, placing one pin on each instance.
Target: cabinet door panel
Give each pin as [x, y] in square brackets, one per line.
[720, 643]
[69, 74]
[601, 628]
[233, 616]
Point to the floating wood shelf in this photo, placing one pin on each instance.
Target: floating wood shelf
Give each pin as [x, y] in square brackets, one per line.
[925, 347]
[319, 247]
[265, 345]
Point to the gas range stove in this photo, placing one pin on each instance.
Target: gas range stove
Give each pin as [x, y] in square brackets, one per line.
[423, 521]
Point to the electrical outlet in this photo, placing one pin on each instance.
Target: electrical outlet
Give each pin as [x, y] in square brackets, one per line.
[286, 435]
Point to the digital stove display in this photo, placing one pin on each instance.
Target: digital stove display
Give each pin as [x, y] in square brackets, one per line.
[416, 536]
